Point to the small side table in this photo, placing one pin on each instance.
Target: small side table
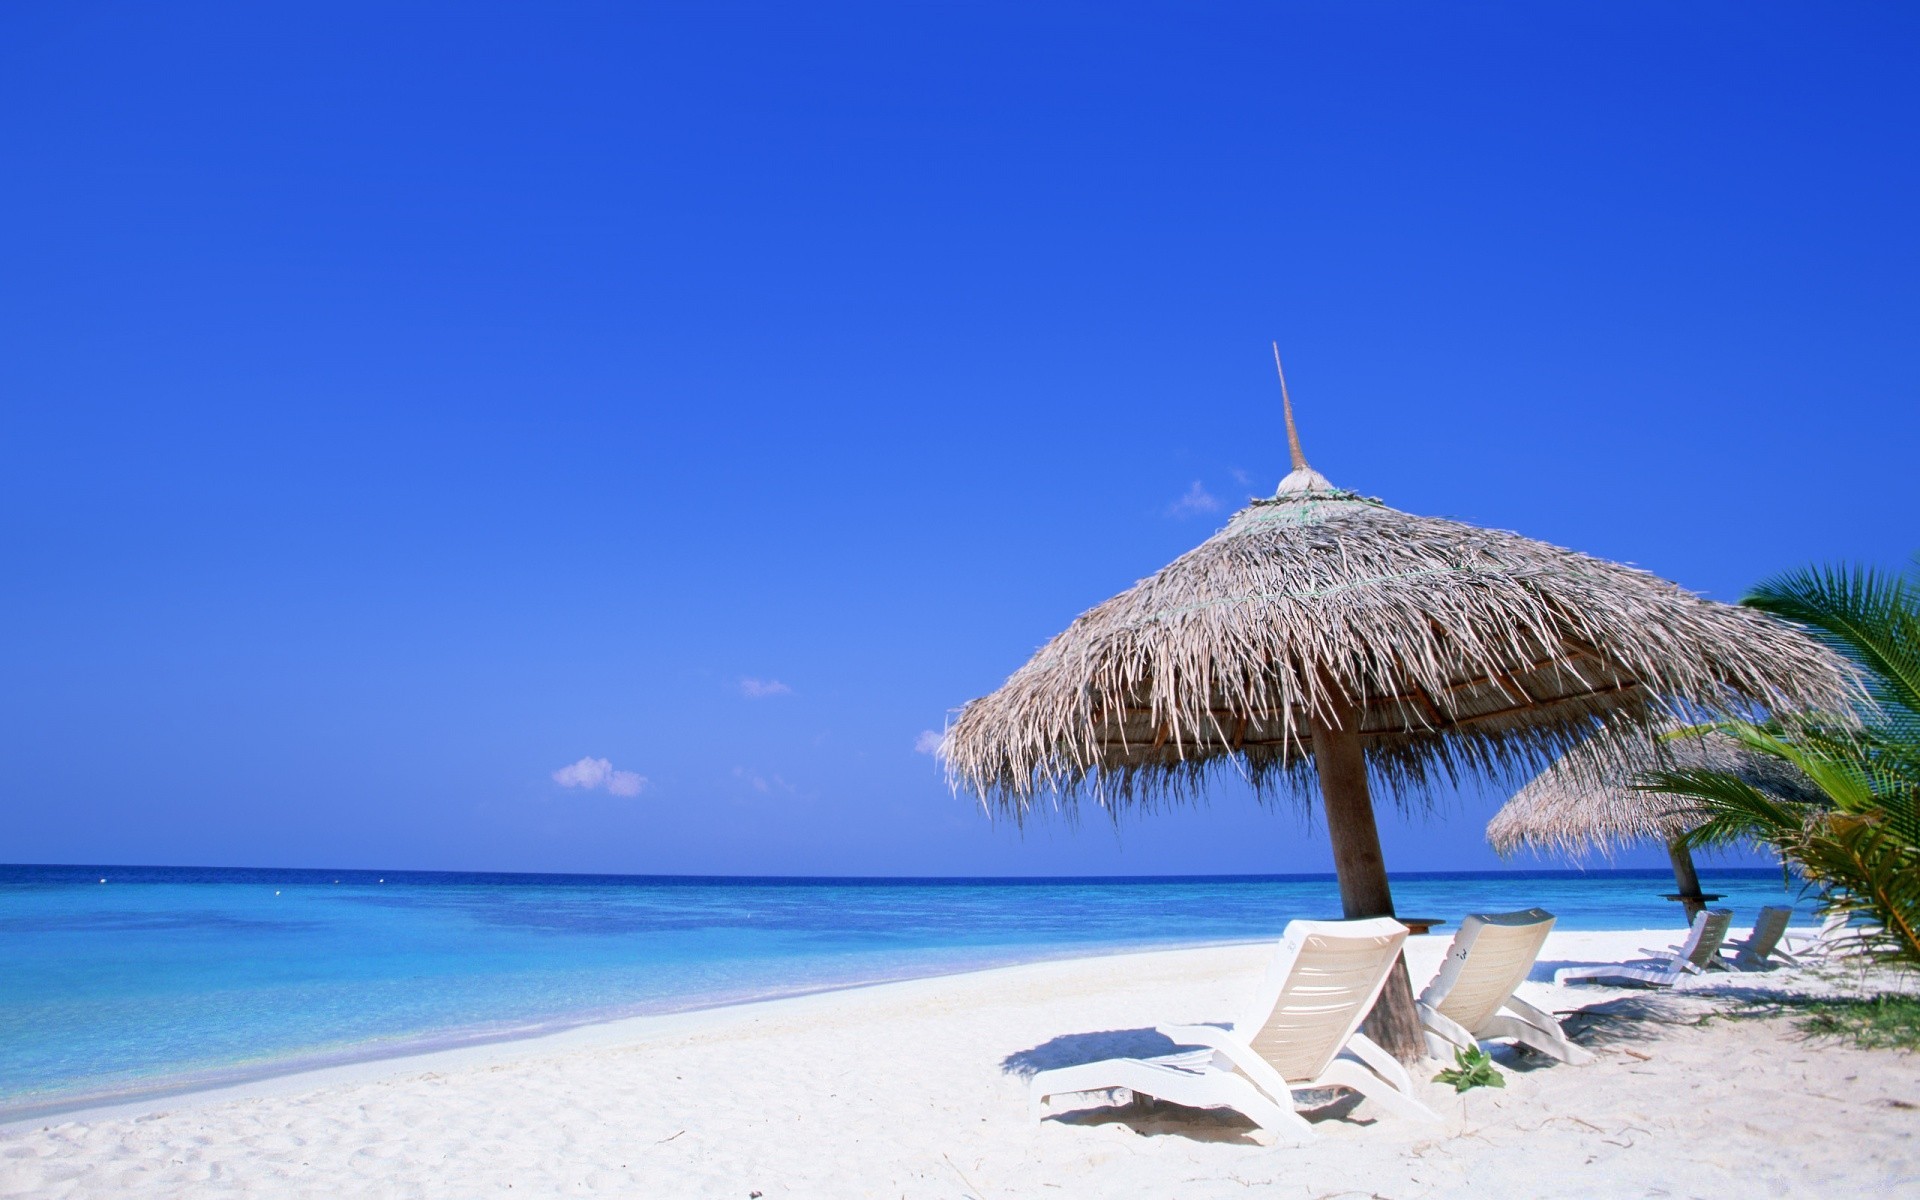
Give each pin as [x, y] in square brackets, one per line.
[1694, 903]
[1415, 925]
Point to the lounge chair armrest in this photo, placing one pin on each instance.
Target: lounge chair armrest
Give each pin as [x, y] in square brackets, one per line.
[1209, 1036]
[1383, 1064]
[1650, 952]
[1448, 1029]
[1536, 1017]
[1228, 1044]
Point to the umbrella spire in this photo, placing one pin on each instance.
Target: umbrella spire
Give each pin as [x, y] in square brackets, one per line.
[1286, 406]
[1303, 477]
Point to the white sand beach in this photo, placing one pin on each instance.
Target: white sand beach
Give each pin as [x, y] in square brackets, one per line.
[917, 1090]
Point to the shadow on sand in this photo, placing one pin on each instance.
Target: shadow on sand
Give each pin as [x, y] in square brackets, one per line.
[1628, 1020]
[1072, 1049]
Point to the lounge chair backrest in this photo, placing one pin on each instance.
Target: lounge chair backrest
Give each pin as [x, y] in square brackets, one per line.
[1768, 928]
[1703, 940]
[1490, 956]
[1321, 984]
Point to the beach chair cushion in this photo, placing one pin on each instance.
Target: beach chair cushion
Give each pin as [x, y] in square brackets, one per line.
[1704, 940]
[1502, 948]
[1768, 928]
[1319, 987]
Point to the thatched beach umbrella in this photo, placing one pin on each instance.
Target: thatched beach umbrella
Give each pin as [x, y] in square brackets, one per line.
[1587, 801]
[1321, 633]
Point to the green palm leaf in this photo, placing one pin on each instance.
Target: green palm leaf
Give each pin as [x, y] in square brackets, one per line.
[1868, 615]
[1854, 830]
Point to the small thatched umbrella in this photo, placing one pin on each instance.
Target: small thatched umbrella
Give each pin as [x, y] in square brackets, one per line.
[1587, 801]
[1322, 625]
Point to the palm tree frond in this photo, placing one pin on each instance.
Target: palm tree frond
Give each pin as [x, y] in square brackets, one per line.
[1868, 615]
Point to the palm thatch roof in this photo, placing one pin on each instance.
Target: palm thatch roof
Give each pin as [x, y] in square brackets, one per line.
[1587, 800]
[1466, 650]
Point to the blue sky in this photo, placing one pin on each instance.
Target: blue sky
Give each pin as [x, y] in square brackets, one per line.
[401, 403]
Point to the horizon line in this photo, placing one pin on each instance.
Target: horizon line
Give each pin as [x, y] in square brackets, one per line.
[1231, 877]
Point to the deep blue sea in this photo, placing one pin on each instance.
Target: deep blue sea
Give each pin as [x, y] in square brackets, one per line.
[163, 978]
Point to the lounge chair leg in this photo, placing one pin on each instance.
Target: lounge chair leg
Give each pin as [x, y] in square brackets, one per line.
[1557, 1047]
[1287, 1126]
[1445, 1036]
[1061, 1081]
[1536, 1030]
[1349, 1074]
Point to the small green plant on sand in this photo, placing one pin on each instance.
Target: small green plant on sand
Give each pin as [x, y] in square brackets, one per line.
[1472, 1068]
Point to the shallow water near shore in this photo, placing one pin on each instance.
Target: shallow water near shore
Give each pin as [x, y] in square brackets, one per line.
[164, 978]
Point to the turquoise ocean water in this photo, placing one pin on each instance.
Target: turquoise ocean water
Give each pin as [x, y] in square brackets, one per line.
[165, 978]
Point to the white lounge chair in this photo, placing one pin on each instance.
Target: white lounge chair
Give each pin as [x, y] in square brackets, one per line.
[1472, 998]
[1664, 968]
[1831, 940]
[1761, 943]
[1300, 1034]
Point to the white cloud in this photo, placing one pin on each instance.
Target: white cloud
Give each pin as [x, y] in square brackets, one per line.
[587, 773]
[626, 783]
[1196, 501]
[927, 743]
[593, 774]
[760, 689]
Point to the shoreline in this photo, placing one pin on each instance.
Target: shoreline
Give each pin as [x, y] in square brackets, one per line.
[286, 1006]
[452, 1049]
[356, 1066]
[919, 1088]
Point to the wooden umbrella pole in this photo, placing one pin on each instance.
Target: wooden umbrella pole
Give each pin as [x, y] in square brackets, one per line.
[1686, 879]
[1364, 892]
